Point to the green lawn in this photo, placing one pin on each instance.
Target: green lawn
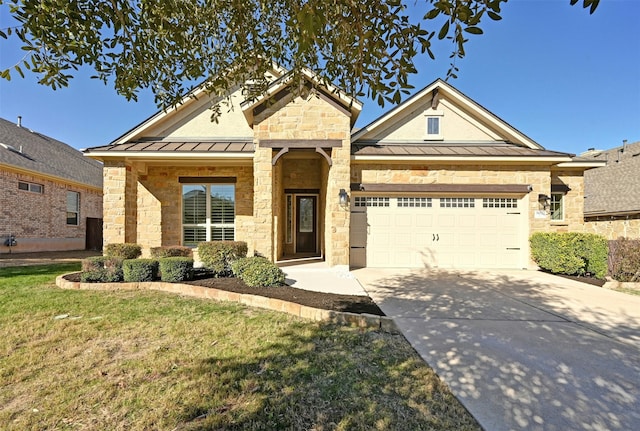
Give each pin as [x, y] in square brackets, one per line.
[140, 360]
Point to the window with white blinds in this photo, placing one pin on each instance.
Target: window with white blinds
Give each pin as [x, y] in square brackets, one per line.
[208, 213]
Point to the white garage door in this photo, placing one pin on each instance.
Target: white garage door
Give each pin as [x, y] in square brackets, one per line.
[437, 232]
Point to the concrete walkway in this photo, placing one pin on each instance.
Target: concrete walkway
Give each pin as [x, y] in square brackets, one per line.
[319, 277]
[522, 350]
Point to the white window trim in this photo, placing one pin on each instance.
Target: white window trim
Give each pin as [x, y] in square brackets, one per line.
[432, 113]
[562, 207]
[209, 225]
[77, 209]
[32, 187]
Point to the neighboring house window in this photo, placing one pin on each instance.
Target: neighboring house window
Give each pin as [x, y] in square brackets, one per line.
[31, 187]
[208, 213]
[434, 125]
[73, 208]
[557, 206]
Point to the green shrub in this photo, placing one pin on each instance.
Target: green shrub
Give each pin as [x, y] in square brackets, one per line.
[140, 269]
[624, 260]
[593, 250]
[101, 269]
[171, 251]
[176, 269]
[219, 255]
[570, 253]
[241, 264]
[258, 271]
[93, 263]
[123, 251]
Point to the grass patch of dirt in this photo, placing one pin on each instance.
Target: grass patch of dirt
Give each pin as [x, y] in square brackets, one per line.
[140, 360]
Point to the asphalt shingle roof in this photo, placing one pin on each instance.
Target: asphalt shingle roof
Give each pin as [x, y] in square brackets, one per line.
[615, 188]
[46, 155]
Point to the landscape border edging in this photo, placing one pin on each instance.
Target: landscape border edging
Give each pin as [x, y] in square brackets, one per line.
[365, 321]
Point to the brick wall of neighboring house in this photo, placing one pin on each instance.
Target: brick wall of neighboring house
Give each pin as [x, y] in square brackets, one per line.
[614, 227]
[39, 220]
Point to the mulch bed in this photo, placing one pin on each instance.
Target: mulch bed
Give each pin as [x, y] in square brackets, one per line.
[589, 280]
[325, 301]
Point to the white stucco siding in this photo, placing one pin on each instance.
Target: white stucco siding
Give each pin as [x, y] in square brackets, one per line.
[195, 121]
[456, 125]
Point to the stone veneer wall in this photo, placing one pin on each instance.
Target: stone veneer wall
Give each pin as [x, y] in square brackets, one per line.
[539, 177]
[573, 201]
[119, 203]
[301, 119]
[39, 220]
[152, 213]
[615, 228]
[162, 201]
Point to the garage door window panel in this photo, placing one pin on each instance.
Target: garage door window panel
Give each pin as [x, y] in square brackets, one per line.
[414, 202]
[457, 203]
[500, 203]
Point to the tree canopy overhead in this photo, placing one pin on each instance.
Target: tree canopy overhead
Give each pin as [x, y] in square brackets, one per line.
[366, 47]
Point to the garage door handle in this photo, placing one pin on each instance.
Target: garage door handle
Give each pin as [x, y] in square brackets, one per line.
[437, 237]
[513, 248]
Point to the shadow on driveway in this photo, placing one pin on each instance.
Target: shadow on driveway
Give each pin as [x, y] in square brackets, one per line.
[521, 349]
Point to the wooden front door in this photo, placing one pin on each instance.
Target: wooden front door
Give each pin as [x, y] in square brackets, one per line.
[306, 224]
[93, 238]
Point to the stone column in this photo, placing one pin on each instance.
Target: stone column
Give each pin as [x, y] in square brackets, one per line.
[263, 238]
[119, 203]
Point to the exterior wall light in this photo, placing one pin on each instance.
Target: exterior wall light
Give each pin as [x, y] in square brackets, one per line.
[544, 201]
[343, 199]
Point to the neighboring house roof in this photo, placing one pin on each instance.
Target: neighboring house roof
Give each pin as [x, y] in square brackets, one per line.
[615, 188]
[26, 150]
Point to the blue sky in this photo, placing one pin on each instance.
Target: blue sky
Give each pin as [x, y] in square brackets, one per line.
[567, 79]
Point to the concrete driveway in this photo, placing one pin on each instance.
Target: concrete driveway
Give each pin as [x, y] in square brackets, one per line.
[522, 350]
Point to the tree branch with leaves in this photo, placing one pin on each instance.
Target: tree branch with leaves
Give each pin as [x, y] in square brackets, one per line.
[366, 47]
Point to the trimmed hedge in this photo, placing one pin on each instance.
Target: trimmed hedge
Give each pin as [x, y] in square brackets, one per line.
[176, 269]
[101, 269]
[570, 253]
[171, 251]
[140, 269]
[238, 267]
[123, 251]
[258, 271]
[624, 259]
[219, 255]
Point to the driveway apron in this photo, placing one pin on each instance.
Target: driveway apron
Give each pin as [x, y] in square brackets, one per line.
[522, 350]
